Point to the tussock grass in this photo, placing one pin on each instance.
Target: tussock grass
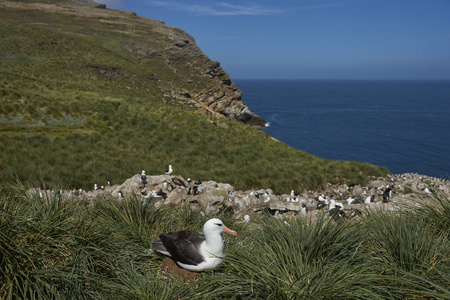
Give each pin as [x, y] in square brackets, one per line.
[60, 249]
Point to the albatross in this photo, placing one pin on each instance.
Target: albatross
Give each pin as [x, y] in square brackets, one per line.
[194, 251]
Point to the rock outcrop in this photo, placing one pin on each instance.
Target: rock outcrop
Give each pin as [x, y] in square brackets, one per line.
[389, 193]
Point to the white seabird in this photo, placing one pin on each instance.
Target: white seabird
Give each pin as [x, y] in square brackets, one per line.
[369, 199]
[334, 204]
[322, 198]
[303, 212]
[194, 251]
[170, 170]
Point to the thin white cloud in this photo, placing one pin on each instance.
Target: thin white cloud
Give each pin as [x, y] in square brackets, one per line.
[218, 8]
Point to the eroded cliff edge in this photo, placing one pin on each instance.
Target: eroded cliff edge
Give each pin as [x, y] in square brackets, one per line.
[177, 69]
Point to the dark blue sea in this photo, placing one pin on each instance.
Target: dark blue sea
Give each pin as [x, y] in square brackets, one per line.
[401, 125]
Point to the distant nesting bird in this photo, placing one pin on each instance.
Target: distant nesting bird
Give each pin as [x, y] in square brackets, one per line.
[334, 204]
[95, 187]
[293, 194]
[266, 197]
[246, 219]
[143, 177]
[146, 196]
[158, 194]
[230, 196]
[255, 194]
[387, 194]
[193, 191]
[303, 212]
[369, 199]
[109, 183]
[322, 198]
[350, 200]
[337, 214]
[170, 170]
[277, 215]
[322, 204]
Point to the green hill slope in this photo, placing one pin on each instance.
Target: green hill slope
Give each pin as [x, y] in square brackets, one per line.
[90, 94]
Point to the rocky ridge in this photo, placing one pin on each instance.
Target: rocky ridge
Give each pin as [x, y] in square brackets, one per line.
[176, 65]
[406, 190]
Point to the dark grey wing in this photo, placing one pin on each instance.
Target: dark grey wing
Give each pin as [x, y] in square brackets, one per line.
[183, 246]
[158, 246]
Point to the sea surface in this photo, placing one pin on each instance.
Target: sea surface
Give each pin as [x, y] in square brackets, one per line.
[401, 125]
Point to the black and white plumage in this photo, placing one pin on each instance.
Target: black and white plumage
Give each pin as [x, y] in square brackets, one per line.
[322, 198]
[335, 204]
[387, 194]
[369, 199]
[355, 213]
[194, 251]
[321, 205]
[254, 194]
[109, 183]
[337, 214]
[143, 177]
[169, 171]
[158, 194]
[351, 200]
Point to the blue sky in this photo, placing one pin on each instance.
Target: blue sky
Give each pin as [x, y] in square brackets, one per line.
[299, 39]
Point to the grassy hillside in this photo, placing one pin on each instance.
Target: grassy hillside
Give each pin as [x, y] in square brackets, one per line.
[86, 96]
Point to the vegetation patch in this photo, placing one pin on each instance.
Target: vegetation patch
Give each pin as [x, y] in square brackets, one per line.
[63, 249]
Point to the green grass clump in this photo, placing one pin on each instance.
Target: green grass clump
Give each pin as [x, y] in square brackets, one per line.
[56, 248]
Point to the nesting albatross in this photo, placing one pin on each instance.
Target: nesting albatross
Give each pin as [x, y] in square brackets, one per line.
[194, 251]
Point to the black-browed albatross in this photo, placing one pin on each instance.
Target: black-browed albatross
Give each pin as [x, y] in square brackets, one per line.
[194, 251]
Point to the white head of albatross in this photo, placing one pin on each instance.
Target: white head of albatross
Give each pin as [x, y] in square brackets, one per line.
[194, 251]
[170, 170]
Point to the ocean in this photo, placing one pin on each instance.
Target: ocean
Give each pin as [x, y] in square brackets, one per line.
[401, 125]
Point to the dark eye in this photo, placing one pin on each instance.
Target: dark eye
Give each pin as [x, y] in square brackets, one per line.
[218, 224]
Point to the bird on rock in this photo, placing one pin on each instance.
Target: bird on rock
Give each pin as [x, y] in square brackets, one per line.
[143, 177]
[194, 251]
[170, 170]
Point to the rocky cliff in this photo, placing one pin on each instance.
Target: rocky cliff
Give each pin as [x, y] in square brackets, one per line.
[175, 64]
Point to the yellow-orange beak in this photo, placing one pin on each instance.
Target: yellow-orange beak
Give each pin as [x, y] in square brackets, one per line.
[229, 231]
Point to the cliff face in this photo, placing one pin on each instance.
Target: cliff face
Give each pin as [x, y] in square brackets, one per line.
[176, 68]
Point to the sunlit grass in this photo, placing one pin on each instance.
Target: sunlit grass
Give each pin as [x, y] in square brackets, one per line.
[78, 103]
[69, 249]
